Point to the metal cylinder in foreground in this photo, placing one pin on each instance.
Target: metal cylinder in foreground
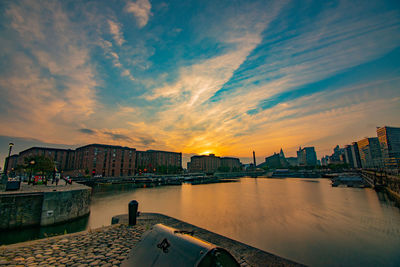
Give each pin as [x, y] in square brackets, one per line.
[163, 246]
[133, 208]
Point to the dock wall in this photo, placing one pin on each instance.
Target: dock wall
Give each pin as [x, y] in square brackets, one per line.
[64, 206]
[21, 209]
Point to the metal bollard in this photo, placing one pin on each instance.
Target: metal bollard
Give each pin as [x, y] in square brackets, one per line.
[133, 208]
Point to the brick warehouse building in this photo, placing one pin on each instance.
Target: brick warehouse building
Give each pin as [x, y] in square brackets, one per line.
[211, 163]
[104, 160]
[62, 157]
[158, 161]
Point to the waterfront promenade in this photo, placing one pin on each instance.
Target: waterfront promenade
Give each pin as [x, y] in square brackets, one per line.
[109, 246]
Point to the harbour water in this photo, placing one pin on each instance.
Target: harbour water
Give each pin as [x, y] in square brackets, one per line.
[305, 220]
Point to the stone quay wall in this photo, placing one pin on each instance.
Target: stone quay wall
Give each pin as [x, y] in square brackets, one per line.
[19, 210]
[49, 206]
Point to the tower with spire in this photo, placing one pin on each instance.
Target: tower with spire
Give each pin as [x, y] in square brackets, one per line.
[281, 154]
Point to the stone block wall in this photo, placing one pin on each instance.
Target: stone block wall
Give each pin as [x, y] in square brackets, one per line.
[63, 206]
[43, 208]
[19, 210]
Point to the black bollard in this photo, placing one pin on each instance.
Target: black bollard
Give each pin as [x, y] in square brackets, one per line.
[133, 208]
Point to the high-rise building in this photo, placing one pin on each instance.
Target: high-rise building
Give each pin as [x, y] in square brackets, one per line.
[338, 156]
[306, 156]
[355, 154]
[348, 156]
[324, 160]
[370, 152]
[389, 140]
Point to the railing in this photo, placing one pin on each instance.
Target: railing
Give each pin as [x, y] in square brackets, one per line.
[386, 178]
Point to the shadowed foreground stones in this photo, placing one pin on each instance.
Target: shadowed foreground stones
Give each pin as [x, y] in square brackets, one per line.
[107, 246]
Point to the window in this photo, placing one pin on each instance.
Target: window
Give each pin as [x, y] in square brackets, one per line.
[112, 172]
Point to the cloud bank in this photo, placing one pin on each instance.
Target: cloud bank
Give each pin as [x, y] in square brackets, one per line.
[202, 76]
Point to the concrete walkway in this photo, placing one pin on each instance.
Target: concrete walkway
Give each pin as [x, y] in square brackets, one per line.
[25, 188]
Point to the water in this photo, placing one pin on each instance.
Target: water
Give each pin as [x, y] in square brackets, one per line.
[305, 220]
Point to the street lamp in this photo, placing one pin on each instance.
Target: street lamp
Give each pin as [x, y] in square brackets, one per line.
[31, 163]
[10, 145]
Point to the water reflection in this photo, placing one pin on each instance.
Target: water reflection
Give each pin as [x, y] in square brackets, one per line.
[31, 233]
[305, 220]
[309, 222]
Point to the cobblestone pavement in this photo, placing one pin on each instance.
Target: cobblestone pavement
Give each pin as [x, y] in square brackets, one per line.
[110, 245]
[107, 246]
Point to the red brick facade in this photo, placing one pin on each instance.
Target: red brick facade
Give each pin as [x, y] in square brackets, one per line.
[61, 157]
[103, 160]
[154, 160]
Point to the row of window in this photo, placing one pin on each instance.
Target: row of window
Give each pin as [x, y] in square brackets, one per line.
[121, 172]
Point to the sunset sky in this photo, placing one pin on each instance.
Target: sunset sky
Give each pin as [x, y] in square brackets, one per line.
[224, 77]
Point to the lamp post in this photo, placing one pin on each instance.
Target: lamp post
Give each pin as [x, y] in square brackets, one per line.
[10, 145]
[31, 163]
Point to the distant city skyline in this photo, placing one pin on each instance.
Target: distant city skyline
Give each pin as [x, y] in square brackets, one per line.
[198, 77]
[186, 157]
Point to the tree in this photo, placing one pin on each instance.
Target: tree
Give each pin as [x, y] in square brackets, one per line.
[42, 164]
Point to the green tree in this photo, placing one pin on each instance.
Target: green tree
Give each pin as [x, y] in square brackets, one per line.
[40, 164]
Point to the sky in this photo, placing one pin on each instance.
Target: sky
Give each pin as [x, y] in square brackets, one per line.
[198, 77]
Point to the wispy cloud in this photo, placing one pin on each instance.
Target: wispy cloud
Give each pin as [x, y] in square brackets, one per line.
[86, 131]
[115, 30]
[233, 78]
[140, 10]
[109, 51]
[344, 37]
[47, 88]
